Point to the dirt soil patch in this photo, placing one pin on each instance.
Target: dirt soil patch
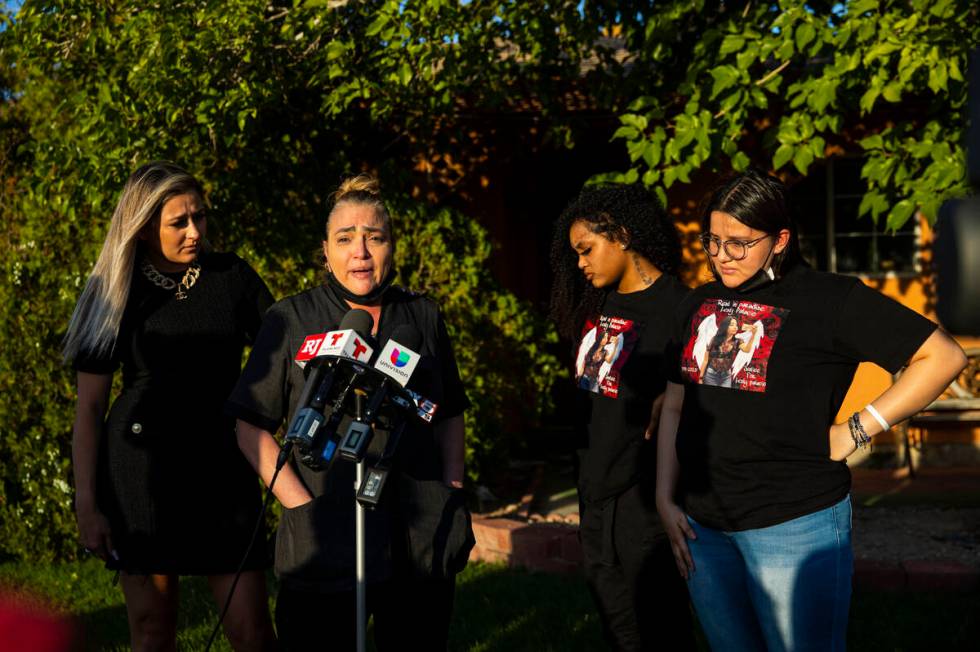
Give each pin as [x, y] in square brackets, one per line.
[917, 532]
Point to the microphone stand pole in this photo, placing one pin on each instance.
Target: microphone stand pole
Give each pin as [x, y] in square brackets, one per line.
[360, 544]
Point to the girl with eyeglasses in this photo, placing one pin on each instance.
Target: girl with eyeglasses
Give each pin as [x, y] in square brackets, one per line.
[752, 483]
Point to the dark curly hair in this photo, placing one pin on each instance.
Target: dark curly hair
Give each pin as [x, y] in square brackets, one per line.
[628, 214]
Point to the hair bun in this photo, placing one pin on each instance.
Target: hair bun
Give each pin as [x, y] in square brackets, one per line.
[358, 188]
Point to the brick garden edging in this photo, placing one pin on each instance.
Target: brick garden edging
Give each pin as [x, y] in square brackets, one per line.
[549, 547]
[916, 575]
[555, 548]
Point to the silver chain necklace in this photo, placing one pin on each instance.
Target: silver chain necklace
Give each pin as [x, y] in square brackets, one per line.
[156, 278]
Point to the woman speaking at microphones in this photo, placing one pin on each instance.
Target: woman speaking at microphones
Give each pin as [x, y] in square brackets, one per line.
[161, 489]
[418, 536]
[614, 255]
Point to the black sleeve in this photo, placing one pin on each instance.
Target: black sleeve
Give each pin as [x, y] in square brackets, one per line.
[108, 361]
[91, 363]
[262, 392]
[870, 327]
[454, 399]
[679, 324]
[256, 300]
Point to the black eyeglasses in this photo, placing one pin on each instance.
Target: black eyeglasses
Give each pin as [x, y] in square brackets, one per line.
[736, 249]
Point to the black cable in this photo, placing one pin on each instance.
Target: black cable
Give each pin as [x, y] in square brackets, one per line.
[280, 462]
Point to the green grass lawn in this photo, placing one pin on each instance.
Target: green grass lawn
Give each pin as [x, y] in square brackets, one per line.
[496, 609]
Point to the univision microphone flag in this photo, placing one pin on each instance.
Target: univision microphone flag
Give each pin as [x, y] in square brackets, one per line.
[397, 361]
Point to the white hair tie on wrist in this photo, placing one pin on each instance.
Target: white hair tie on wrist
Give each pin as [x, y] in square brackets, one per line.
[877, 415]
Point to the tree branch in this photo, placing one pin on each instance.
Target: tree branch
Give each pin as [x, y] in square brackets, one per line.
[773, 73]
[275, 17]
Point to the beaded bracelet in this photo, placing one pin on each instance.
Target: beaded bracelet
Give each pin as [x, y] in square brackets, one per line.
[862, 434]
[854, 434]
[858, 434]
[854, 437]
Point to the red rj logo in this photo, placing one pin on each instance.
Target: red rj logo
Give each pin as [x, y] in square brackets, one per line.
[310, 347]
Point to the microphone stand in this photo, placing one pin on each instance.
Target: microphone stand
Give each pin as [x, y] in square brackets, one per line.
[359, 542]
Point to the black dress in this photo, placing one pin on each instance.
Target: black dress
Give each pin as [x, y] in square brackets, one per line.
[179, 495]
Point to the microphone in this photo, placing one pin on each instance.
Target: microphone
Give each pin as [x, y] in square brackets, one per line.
[356, 353]
[314, 375]
[322, 354]
[348, 341]
[399, 357]
[396, 362]
[341, 342]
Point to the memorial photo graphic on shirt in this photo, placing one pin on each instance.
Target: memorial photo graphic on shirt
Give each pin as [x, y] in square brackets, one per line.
[605, 347]
[730, 344]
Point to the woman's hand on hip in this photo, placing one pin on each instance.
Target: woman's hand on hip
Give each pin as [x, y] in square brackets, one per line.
[678, 531]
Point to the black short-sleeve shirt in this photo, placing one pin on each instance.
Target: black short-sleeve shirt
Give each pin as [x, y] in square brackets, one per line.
[267, 395]
[753, 440]
[619, 373]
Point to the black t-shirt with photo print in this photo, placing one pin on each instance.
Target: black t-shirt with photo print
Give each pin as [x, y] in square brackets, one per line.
[619, 371]
[753, 439]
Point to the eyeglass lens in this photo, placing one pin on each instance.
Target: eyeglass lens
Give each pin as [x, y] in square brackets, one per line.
[735, 249]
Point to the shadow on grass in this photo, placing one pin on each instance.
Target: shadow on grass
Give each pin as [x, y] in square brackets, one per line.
[914, 621]
[104, 629]
[506, 609]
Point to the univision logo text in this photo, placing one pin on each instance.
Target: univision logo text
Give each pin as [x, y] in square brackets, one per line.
[398, 362]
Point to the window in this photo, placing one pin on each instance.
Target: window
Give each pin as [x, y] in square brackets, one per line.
[832, 236]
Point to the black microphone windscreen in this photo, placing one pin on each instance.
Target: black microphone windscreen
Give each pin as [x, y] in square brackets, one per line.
[408, 336]
[359, 321]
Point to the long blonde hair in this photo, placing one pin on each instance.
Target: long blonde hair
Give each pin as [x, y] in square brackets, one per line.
[95, 323]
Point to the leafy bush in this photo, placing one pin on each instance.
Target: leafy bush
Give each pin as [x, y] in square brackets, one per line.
[500, 344]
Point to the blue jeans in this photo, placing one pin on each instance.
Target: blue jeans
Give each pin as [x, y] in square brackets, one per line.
[783, 587]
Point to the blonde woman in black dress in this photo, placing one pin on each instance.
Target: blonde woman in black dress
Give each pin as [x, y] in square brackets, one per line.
[161, 488]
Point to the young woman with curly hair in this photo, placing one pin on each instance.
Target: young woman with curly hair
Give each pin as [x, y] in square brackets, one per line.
[614, 256]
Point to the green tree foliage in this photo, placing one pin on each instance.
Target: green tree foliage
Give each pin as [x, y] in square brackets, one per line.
[270, 106]
[495, 336]
[792, 82]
